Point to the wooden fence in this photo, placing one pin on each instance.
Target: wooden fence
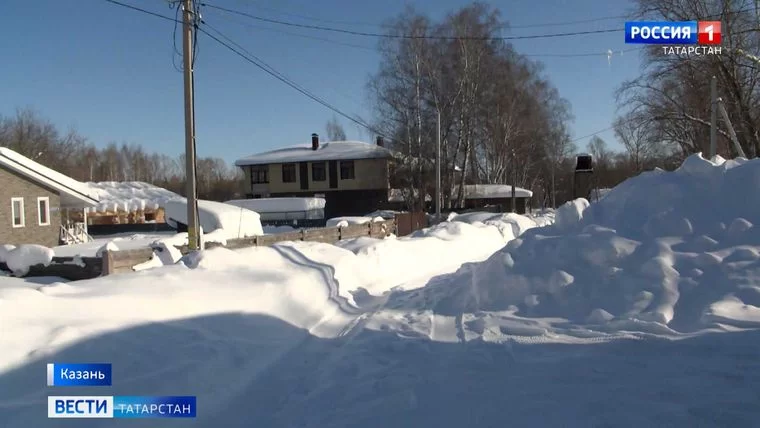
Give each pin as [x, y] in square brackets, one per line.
[409, 222]
[123, 261]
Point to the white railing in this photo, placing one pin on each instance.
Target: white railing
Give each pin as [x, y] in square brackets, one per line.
[75, 233]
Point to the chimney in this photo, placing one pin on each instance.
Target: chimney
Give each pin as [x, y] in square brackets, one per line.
[380, 142]
[314, 141]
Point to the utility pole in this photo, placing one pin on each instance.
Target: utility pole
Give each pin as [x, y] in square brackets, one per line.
[438, 172]
[193, 238]
[713, 116]
[514, 178]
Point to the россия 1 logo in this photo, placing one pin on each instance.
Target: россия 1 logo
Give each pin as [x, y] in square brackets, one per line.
[680, 38]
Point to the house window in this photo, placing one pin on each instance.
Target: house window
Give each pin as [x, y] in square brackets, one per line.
[318, 172]
[43, 211]
[260, 175]
[289, 173]
[347, 170]
[17, 212]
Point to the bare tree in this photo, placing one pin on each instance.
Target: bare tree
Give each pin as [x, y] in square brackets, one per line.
[335, 130]
[672, 97]
[493, 103]
[638, 141]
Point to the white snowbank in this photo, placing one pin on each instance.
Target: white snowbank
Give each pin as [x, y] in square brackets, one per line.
[570, 213]
[21, 258]
[511, 225]
[118, 242]
[4, 250]
[130, 196]
[351, 220]
[237, 222]
[655, 255]
[381, 333]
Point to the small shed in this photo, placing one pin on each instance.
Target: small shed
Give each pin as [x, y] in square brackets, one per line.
[495, 197]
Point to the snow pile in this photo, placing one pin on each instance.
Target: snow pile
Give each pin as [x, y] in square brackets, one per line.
[662, 252]
[130, 196]
[237, 222]
[349, 221]
[108, 246]
[20, 259]
[570, 213]
[511, 225]
[4, 250]
[164, 254]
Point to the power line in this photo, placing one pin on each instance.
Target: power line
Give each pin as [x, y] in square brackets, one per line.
[610, 128]
[129, 6]
[589, 54]
[243, 53]
[311, 18]
[304, 36]
[565, 23]
[406, 36]
[371, 49]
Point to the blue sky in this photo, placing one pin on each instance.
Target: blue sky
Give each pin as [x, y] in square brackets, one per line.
[107, 71]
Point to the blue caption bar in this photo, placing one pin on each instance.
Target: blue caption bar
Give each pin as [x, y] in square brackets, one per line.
[82, 374]
[121, 407]
[661, 32]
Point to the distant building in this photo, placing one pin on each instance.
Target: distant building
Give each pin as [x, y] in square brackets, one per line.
[36, 201]
[352, 176]
[496, 196]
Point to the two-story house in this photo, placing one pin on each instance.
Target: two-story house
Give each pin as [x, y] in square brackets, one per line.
[352, 176]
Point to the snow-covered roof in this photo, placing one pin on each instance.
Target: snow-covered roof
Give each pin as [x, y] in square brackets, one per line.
[237, 222]
[488, 191]
[74, 194]
[279, 205]
[333, 150]
[400, 195]
[130, 195]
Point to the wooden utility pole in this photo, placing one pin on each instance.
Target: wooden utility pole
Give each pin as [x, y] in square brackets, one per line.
[713, 117]
[514, 178]
[438, 193]
[193, 238]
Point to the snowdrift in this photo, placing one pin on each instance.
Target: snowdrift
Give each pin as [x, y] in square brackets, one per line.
[351, 220]
[664, 252]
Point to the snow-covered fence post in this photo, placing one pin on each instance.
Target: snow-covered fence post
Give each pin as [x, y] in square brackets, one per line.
[108, 265]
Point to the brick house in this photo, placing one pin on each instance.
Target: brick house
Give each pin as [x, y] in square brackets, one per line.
[352, 176]
[33, 199]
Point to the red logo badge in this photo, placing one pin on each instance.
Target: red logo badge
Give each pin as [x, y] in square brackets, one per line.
[708, 32]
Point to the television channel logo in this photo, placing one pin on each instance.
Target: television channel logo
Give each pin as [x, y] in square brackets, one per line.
[122, 407]
[81, 406]
[703, 33]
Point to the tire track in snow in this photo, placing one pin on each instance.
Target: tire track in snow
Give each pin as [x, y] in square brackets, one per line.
[356, 317]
